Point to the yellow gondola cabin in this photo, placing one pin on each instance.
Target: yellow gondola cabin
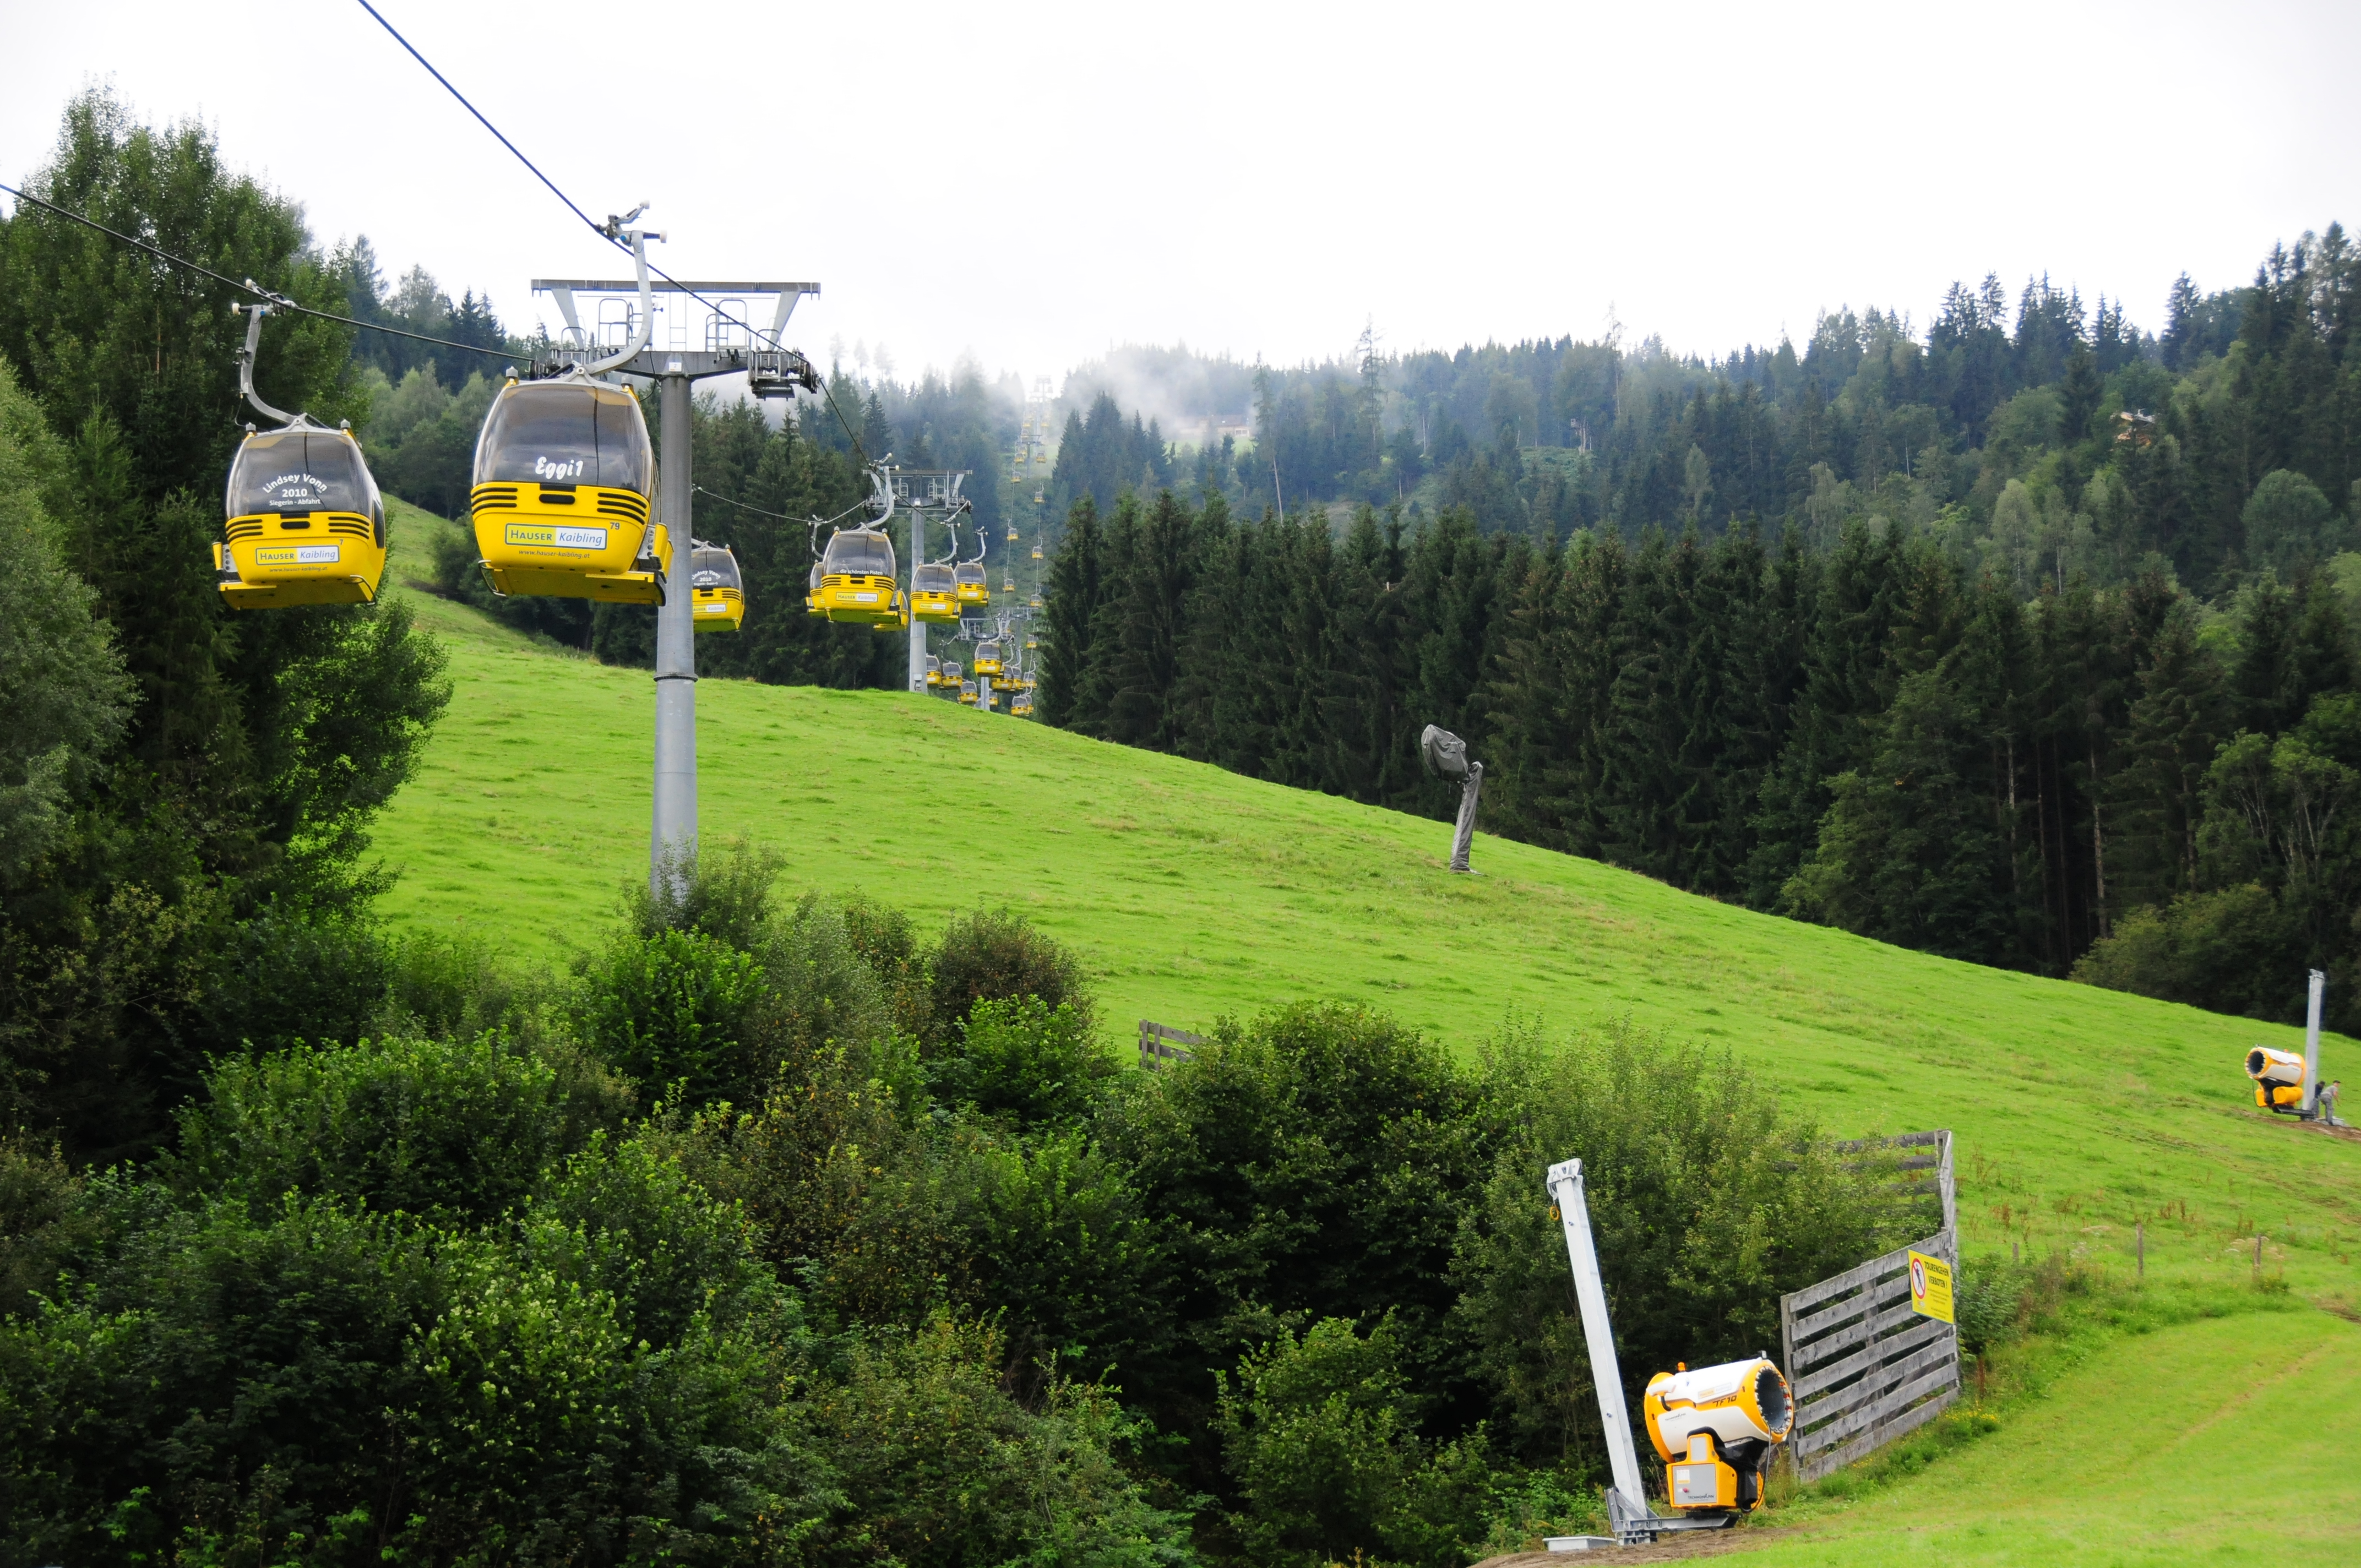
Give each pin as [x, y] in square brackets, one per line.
[934, 593]
[856, 579]
[563, 484]
[305, 522]
[718, 593]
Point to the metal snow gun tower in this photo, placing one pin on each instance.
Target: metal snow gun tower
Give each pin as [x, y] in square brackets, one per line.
[2287, 1084]
[1445, 756]
[1715, 1427]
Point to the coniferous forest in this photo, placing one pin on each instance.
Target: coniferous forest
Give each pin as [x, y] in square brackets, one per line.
[2028, 640]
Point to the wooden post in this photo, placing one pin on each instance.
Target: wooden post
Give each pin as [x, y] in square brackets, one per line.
[2258, 1258]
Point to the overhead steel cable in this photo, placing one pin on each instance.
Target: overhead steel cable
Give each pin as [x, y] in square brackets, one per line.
[782, 517]
[598, 227]
[276, 301]
[608, 231]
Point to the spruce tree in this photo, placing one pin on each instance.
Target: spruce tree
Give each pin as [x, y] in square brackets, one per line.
[1153, 597]
[2175, 726]
[1068, 612]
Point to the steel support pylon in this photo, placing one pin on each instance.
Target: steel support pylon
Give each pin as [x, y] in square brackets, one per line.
[673, 844]
[917, 627]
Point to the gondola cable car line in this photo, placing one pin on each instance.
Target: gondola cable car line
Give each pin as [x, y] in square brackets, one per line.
[673, 842]
[611, 231]
[276, 301]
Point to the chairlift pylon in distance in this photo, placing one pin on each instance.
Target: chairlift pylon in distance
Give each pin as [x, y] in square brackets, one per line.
[303, 522]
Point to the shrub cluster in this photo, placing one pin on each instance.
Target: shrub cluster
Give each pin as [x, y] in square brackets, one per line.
[778, 1232]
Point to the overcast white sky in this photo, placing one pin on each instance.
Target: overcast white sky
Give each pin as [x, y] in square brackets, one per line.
[1032, 183]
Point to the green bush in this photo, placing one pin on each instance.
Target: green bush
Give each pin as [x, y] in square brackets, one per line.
[454, 987]
[462, 1131]
[41, 1219]
[823, 997]
[1992, 1302]
[1319, 1434]
[311, 1384]
[1022, 1060]
[727, 893]
[1706, 1201]
[295, 974]
[677, 1007]
[939, 1464]
[884, 940]
[2219, 951]
[1317, 1162]
[1057, 1241]
[997, 955]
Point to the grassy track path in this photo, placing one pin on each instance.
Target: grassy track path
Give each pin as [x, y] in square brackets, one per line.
[2223, 1441]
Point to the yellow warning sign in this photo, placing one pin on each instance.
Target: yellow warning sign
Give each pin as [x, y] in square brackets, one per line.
[1930, 1287]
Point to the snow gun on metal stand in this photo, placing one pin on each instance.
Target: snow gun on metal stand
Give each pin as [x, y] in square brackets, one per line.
[1715, 1427]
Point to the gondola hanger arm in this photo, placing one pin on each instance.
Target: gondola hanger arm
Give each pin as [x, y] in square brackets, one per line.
[254, 315]
[646, 322]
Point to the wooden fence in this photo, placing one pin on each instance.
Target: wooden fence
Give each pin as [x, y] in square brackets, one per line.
[1863, 1367]
[1158, 1045]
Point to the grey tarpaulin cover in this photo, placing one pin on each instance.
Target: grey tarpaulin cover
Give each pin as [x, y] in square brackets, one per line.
[1445, 756]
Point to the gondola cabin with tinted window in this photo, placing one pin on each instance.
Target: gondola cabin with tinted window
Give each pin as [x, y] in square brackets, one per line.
[564, 485]
[717, 592]
[973, 587]
[857, 581]
[987, 658]
[934, 593]
[305, 522]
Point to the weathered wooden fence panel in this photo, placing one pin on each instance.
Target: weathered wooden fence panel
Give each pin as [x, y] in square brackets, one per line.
[1863, 1367]
[1158, 1044]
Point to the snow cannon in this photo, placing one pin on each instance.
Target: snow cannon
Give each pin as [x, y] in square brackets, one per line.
[1714, 1428]
[2279, 1079]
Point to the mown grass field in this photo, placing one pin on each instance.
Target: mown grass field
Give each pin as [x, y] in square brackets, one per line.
[2174, 1446]
[1193, 893]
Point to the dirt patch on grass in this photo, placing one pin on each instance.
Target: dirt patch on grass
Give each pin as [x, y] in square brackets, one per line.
[1676, 1547]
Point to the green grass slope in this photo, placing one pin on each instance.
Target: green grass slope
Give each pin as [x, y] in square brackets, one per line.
[1193, 892]
[2215, 1440]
